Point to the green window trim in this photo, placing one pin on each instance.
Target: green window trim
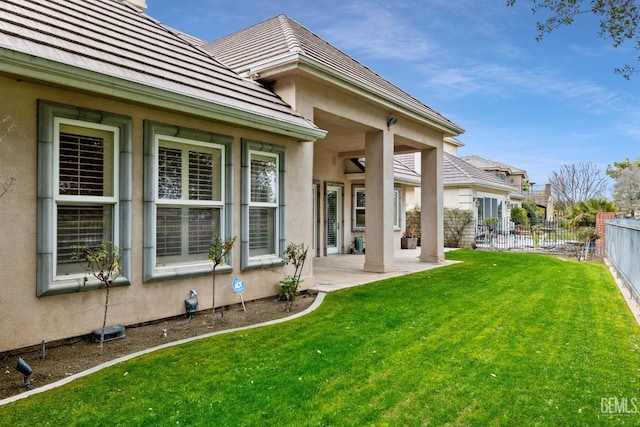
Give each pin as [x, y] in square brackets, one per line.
[153, 131]
[277, 206]
[47, 283]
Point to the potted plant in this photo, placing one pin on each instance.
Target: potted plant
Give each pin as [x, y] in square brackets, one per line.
[412, 231]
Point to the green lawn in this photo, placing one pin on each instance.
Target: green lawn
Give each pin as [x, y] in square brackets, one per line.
[500, 339]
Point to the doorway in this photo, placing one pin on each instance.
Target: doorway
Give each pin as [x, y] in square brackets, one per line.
[333, 215]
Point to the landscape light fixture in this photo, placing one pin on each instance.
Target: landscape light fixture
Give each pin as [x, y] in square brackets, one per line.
[191, 304]
[25, 370]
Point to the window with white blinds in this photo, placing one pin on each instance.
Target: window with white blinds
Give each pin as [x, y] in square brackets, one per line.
[84, 193]
[189, 199]
[263, 193]
[359, 208]
[85, 181]
[263, 204]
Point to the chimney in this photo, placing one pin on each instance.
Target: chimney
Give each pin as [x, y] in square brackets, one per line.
[547, 189]
[140, 5]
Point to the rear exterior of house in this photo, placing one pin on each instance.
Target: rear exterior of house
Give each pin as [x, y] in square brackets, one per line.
[107, 139]
[120, 129]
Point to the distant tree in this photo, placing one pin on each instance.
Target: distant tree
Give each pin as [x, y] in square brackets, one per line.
[532, 211]
[577, 182]
[619, 20]
[618, 167]
[583, 214]
[626, 191]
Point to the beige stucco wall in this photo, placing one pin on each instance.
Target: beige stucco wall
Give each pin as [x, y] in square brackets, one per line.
[26, 320]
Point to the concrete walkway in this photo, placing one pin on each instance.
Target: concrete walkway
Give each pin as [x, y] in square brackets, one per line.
[335, 272]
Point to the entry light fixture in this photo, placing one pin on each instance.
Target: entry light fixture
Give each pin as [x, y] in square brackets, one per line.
[391, 120]
[25, 370]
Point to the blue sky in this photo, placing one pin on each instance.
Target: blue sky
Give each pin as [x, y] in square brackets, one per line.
[533, 105]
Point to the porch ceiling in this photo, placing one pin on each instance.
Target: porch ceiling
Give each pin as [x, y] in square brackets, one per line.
[346, 136]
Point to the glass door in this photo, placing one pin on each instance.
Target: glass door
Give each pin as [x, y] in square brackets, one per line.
[333, 219]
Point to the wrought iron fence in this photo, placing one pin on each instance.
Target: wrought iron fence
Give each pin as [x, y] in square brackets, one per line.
[545, 236]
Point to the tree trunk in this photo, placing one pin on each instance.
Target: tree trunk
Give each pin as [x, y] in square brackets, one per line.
[104, 320]
[213, 303]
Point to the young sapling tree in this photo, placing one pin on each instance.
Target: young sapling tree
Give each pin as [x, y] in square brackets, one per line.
[219, 251]
[294, 254]
[103, 263]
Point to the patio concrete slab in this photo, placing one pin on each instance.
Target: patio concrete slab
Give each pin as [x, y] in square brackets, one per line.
[336, 272]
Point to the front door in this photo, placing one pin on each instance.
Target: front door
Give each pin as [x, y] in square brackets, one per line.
[334, 219]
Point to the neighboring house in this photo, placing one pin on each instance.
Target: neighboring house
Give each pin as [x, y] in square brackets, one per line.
[519, 179]
[513, 176]
[469, 187]
[128, 131]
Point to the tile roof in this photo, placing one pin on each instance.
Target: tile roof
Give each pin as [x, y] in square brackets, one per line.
[281, 37]
[458, 172]
[482, 163]
[112, 39]
[402, 173]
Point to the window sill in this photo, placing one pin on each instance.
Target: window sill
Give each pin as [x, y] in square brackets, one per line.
[77, 284]
[181, 271]
[264, 262]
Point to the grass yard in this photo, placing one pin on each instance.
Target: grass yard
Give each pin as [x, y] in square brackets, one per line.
[500, 339]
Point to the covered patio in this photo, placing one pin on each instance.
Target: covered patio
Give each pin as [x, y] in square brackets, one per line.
[344, 271]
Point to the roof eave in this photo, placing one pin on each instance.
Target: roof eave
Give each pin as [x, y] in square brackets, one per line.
[478, 183]
[45, 70]
[315, 68]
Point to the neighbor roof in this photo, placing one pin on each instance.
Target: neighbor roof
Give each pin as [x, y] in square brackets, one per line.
[283, 39]
[402, 173]
[107, 46]
[486, 164]
[459, 172]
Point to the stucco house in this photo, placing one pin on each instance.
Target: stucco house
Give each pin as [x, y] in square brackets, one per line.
[468, 187]
[117, 128]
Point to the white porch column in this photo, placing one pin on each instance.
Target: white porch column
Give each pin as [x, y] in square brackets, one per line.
[432, 215]
[379, 202]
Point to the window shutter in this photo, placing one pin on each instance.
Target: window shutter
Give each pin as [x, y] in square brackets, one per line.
[81, 171]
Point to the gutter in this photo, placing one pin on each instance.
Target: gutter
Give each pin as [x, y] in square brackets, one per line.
[45, 70]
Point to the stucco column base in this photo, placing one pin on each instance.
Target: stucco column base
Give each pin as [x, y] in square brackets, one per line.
[377, 268]
[433, 259]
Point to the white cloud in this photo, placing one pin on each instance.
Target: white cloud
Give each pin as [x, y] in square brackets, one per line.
[376, 31]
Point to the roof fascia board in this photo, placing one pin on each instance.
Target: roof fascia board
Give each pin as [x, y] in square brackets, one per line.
[45, 70]
[349, 83]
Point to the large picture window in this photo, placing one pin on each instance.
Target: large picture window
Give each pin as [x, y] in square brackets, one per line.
[263, 207]
[84, 192]
[489, 207]
[186, 192]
